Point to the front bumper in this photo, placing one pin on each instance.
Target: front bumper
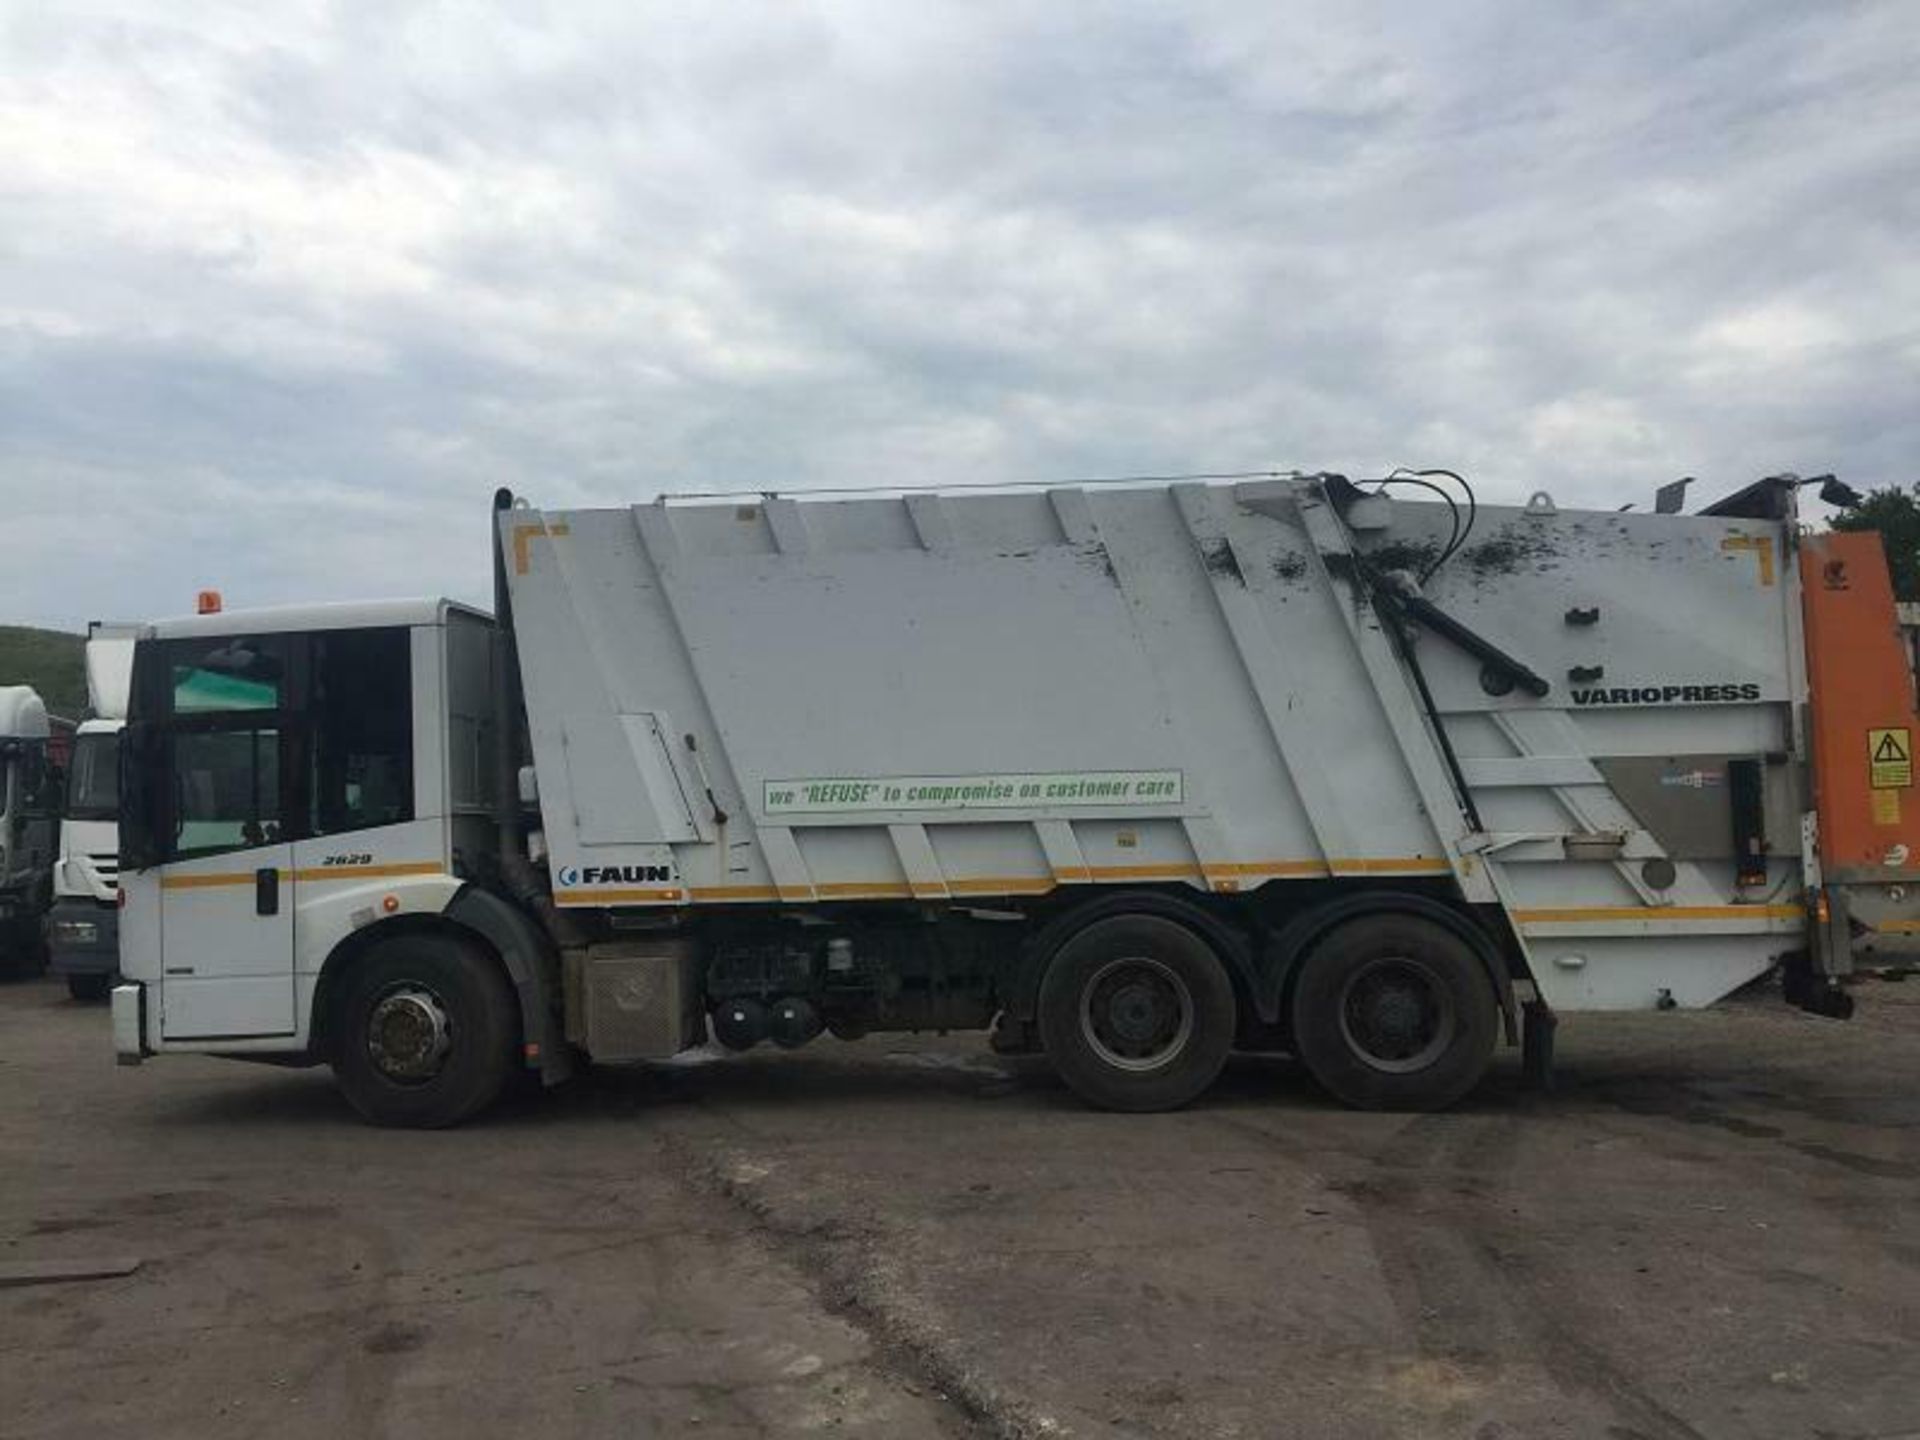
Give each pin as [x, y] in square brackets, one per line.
[129, 1023]
[83, 938]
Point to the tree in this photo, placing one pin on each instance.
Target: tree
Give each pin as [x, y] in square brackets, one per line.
[1895, 513]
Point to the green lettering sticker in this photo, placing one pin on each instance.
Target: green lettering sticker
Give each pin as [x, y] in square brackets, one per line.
[1071, 789]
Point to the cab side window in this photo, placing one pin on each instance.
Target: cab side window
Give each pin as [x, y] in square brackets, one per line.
[228, 704]
[227, 790]
[362, 742]
[255, 740]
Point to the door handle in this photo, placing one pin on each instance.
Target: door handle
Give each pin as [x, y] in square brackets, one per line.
[266, 890]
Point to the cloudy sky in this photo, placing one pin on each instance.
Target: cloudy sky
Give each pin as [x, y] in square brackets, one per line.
[285, 291]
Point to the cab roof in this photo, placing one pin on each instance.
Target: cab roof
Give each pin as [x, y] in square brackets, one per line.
[325, 615]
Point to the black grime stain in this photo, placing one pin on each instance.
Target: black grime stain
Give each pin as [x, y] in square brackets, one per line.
[1290, 566]
[1511, 551]
[1220, 560]
[1095, 553]
[1415, 555]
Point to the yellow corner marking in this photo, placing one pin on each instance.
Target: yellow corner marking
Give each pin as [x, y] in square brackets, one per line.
[523, 534]
[1760, 545]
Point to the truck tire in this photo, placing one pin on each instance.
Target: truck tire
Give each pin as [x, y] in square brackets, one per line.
[90, 989]
[1137, 1013]
[1394, 1012]
[422, 1032]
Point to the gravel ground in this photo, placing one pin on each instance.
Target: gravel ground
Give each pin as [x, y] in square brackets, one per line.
[1711, 1229]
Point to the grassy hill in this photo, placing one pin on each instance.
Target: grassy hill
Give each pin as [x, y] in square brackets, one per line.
[52, 661]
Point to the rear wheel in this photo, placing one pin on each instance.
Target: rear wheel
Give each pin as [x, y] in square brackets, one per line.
[1137, 1013]
[423, 1031]
[1395, 1012]
[89, 988]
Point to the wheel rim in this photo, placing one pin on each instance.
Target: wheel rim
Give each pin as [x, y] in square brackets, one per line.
[1396, 1014]
[1136, 1013]
[409, 1034]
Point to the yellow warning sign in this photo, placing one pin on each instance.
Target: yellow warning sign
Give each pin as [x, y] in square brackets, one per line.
[1889, 759]
[1886, 807]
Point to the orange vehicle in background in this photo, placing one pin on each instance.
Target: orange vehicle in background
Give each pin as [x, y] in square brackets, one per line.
[1863, 725]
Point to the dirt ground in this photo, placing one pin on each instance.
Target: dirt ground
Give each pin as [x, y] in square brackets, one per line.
[1712, 1229]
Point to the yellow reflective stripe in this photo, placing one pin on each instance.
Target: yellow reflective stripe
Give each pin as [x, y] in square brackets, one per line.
[209, 880]
[996, 884]
[1660, 912]
[369, 872]
[1000, 887]
[1421, 864]
[213, 879]
[618, 897]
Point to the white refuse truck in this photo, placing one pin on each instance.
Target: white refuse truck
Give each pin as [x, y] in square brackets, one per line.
[83, 928]
[29, 805]
[1133, 775]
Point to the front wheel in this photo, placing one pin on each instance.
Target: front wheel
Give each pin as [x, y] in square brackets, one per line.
[1395, 1012]
[1137, 1013]
[422, 1032]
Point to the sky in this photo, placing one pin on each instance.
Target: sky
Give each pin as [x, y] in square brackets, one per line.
[287, 290]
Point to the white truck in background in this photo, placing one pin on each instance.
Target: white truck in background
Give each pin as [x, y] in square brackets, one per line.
[83, 927]
[1134, 775]
[29, 806]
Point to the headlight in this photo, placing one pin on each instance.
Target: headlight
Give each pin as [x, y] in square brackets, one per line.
[76, 932]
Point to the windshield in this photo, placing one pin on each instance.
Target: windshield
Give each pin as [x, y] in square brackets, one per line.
[93, 787]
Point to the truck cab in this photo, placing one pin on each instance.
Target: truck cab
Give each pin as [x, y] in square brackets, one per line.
[302, 782]
[29, 808]
[83, 933]
[83, 929]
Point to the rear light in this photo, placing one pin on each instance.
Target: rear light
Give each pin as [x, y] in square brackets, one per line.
[1822, 907]
[120, 899]
[208, 602]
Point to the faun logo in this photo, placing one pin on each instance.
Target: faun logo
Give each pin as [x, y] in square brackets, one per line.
[616, 874]
[1669, 695]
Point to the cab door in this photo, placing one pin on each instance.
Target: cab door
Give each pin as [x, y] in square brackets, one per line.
[226, 887]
